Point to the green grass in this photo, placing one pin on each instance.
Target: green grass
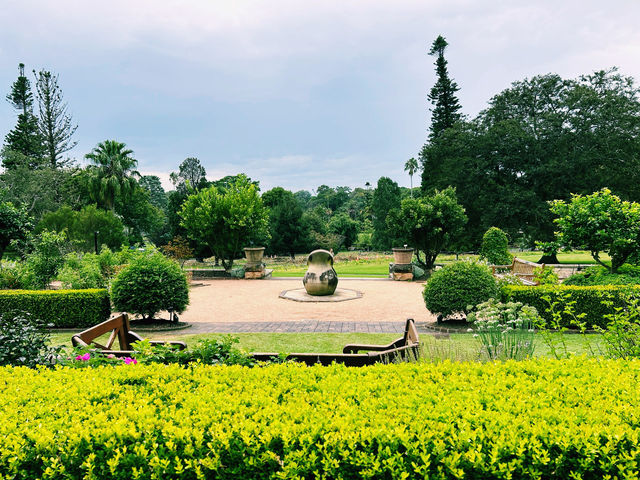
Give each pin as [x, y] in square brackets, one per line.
[459, 346]
[378, 266]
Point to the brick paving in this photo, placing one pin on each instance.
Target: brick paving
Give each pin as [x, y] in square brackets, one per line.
[298, 326]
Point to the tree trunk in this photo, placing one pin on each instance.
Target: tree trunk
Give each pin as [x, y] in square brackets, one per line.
[549, 259]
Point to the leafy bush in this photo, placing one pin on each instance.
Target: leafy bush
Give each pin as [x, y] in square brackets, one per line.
[545, 276]
[586, 302]
[505, 330]
[82, 271]
[62, 308]
[495, 247]
[23, 341]
[523, 420]
[10, 276]
[150, 284]
[458, 286]
[43, 264]
[627, 275]
[621, 337]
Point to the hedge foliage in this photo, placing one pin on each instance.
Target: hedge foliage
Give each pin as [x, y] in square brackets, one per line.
[62, 308]
[587, 300]
[534, 419]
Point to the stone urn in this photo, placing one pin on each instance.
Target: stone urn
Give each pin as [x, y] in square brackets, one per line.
[321, 278]
[254, 255]
[402, 256]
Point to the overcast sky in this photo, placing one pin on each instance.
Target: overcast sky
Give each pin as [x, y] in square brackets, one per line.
[294, 93]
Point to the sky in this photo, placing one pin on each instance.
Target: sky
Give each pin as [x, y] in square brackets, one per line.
[294, 93]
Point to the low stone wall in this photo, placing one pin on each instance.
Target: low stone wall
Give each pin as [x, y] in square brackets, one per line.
[200, 273]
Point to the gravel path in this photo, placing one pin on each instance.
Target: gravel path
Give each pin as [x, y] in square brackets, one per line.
[254, 306]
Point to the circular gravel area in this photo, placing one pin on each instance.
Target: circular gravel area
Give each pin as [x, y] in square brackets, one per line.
[259, 301]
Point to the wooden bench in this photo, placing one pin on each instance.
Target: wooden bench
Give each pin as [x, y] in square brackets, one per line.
[118, 325]
[523, 269]
[404, 348]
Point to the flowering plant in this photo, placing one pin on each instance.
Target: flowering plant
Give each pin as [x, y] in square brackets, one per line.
[505, 330]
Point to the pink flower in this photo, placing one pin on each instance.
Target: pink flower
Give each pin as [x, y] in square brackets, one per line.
[111, 355]
[130, 361]
[84, 357]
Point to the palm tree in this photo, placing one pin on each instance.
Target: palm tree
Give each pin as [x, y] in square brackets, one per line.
[113, 172]
[412, 167]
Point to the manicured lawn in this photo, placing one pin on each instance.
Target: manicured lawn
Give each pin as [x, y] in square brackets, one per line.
[461, 346]
[371, 265]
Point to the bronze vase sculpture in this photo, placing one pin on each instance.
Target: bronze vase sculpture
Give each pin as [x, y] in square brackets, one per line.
[321, 278]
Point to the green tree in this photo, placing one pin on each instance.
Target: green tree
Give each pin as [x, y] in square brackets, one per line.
[289, 232]
[54, 122]
[25, 138]
[412, 167]
[191, 176]
[157, 195]
[227, 221]
[429, 224]
[445, 112]
[15, 224]
[342, 224]
[80, 226]
[537, 141]
[386, 197]
[600, 222]
[113, 172]
[144, 221]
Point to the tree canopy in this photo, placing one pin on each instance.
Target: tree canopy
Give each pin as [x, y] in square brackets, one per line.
[539, 140]
[600, 222]
[227, 221]
[429, 224]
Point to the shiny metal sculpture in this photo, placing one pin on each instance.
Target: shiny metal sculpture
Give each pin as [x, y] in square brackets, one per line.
[321, 278]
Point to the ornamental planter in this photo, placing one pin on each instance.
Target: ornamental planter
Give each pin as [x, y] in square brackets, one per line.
[321, 278]
[402, 256]
[254, 255]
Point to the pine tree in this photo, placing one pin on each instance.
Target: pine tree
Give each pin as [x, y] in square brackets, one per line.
[54, 122]
[446, 106]
[25, 137]
[445, 112]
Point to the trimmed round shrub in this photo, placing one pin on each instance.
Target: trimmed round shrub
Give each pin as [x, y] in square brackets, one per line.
[150, 284]
[495, 247]
[459, 286]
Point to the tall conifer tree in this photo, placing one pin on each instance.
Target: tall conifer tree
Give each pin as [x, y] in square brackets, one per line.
[54, 122]
[446, 107]
[445, 111]
[25, 137]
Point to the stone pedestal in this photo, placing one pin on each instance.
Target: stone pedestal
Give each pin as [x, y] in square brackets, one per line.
[401, 272]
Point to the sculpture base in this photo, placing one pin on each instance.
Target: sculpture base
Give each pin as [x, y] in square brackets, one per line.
[340, 295]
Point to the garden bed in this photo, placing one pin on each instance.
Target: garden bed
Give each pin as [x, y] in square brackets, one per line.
[532, 419]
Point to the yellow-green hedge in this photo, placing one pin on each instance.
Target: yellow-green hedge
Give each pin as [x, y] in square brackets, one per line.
[62, 308]
[547, 418]
[588, 300]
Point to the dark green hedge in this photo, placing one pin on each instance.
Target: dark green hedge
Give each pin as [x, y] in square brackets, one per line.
[588, 300]
[62, 308]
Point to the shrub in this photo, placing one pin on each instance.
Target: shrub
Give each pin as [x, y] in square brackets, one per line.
[495, 247]
[43, 264]
[62, 308]
[23, 341]
[545, 276]
[540, 419]
[458, 286]
[584, 300]
[150, 284]
[10, 276]
[82, 271]
[627, 275]
[621, 337]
